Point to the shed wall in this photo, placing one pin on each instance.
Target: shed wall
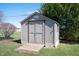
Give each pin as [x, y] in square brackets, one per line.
[49, 33]
[24, 33]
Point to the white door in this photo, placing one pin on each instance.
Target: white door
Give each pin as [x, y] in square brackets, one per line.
[36, 32]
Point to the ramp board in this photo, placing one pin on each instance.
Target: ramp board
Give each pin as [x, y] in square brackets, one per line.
[31, 47]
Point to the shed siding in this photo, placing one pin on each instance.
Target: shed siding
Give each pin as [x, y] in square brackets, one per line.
[24, 34]
[49, 33]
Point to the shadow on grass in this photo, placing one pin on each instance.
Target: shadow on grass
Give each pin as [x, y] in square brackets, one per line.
[10, 38]
[69, 41]
[61, 40]
[17, 41]
[3, 38]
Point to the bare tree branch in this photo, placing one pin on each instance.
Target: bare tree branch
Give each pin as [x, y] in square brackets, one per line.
[7, 29]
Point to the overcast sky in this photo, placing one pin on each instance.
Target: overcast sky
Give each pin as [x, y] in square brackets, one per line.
[14, 13]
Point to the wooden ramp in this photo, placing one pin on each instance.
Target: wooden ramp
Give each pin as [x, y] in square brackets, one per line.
[31, 47]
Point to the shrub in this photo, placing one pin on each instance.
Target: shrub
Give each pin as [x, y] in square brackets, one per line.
[7, 29]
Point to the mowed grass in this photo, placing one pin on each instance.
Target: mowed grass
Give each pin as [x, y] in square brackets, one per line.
[16, 36]
[8, 48]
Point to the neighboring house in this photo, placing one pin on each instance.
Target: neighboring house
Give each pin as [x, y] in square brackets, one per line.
[39, 29]
[18, 29]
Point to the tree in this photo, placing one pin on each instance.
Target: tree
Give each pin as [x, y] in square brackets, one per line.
[1, 19]
[67, 15]
[7, 29]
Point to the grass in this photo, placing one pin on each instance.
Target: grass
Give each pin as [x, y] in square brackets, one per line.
[62, 50]
[16, 35]
[8, 48]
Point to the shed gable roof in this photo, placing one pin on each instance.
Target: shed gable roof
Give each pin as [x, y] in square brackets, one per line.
[35, 13]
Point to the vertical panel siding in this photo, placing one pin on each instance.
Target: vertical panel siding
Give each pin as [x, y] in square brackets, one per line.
[24, 34]
[49, 33]
[56, 29]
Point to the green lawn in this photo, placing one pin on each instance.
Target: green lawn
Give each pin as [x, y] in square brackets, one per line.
[8, 48]
[16, 35]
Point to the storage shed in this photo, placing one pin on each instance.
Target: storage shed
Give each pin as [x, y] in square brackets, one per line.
[39, 29]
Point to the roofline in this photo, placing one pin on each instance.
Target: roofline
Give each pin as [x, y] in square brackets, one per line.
[49, 18]
[34, 14]
[28, 17]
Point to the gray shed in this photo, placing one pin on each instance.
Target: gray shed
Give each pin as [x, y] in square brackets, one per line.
[39, 29]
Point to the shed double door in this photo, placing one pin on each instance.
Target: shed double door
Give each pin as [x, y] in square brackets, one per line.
[36, 32]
